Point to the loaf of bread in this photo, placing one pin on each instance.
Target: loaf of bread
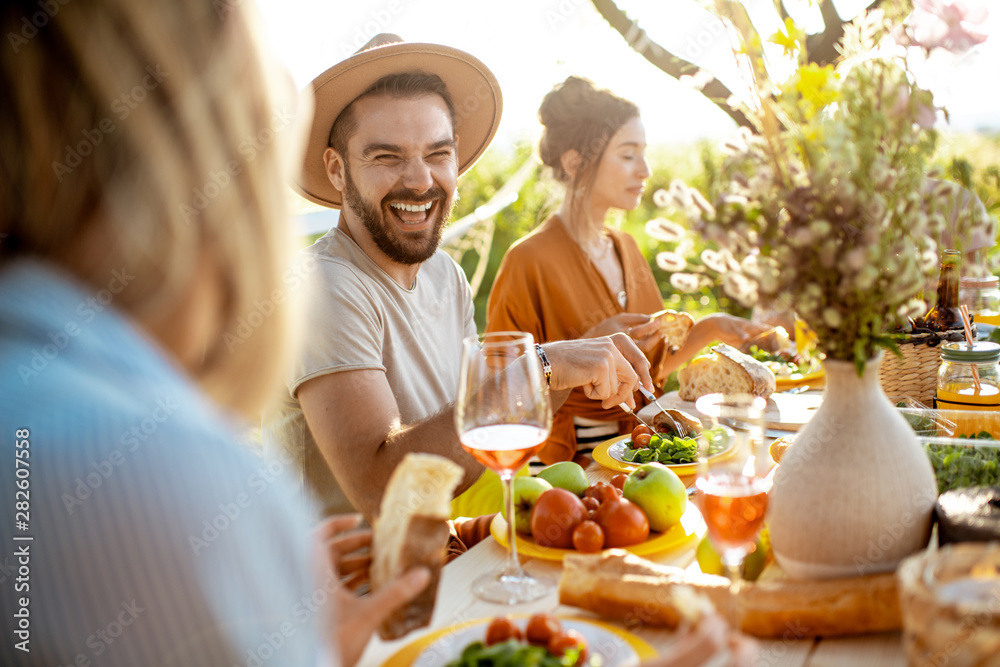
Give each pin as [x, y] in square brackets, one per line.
[675, 328]
[620, 585]
[725, 371]
[412, 530]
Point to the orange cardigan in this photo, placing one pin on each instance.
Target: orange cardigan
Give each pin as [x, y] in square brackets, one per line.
[548, 287]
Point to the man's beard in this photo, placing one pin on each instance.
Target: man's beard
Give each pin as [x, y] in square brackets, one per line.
[402, 248]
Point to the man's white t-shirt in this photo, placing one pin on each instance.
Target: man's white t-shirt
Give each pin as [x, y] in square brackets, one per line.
[359, 318]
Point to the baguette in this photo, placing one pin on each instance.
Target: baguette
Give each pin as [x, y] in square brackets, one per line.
[623, 586]
[675, 328]
[412, 530]
[726, 371]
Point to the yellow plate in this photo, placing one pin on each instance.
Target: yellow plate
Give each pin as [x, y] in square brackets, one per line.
[614, 645]
[608, 454]
[783, 383]
[690, 527]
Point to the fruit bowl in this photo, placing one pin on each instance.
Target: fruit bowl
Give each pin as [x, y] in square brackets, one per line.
[690, 527]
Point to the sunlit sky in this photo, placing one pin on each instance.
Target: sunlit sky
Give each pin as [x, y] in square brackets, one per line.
[533, 44]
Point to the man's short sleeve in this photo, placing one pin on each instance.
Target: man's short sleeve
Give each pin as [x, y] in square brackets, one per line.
[344, 326]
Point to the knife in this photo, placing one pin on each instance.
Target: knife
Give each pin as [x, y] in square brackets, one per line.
[638, 418]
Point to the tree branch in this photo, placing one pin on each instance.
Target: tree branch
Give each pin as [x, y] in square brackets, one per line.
[715, 90]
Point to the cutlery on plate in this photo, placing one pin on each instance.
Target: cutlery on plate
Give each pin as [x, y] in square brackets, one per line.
[640, 419]
[679, 428]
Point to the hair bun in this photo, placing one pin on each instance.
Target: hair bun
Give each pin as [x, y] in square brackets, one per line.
[577, 115]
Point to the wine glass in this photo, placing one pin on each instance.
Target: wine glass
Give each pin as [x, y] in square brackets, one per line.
[503, 416]
[733, 484]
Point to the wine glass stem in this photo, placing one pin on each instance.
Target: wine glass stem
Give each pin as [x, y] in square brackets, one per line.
[734, 566]
[513, 567]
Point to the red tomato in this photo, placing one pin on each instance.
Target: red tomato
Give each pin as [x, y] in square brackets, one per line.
[591, 504]
[559, 644]
[642, 441]
[554, 516]
[624, 523]
[601, 492]
[641, 429]
[500, 630]
[588, 537]
[618, 481]
[542, 628]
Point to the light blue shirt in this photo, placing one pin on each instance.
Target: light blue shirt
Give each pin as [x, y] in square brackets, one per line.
[156, 538]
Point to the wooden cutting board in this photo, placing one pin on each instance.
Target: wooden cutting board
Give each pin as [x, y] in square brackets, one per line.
[784, 411]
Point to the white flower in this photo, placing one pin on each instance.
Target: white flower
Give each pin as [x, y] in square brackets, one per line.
[731, 262]
[855, 260]
[665, 230]
[661, 198]
[866, 278]
[702, 203]
[714, 260]
[740, 288]
[832, 318]
[681, 194]
[670, 261]
[928, 260]
[684, 282]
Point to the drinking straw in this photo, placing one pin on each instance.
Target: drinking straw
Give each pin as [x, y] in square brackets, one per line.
[967, 325]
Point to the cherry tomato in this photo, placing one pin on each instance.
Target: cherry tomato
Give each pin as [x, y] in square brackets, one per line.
[642, 441]
[640, 430]
[591, 504]
[618, 481]
[624, 523]
[542, 628]
[602, 491]
[570, 639]
[500, 630]
[554, 516]
[588, 537]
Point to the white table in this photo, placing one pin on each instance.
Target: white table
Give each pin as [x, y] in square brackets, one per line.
[455, 604]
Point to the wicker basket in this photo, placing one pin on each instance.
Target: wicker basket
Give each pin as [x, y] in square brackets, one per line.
[915, 373]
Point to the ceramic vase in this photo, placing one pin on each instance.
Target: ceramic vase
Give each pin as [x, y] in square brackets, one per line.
[855, 492]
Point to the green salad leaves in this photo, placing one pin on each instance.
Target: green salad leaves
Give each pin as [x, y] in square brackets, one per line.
[512, 653]
[667, 449]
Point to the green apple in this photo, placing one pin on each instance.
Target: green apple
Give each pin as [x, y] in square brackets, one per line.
[566, 475]
[710, 562]
[527, 489]
[659, 492]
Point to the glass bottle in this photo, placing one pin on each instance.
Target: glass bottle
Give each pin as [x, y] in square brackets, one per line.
[945, 315]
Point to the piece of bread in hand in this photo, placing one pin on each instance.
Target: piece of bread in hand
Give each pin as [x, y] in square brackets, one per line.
[675, 328]
[725, 371]
[412, 530]
[773, 340]
[620, 585]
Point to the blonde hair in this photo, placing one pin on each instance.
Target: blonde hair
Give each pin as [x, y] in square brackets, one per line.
[152, 125]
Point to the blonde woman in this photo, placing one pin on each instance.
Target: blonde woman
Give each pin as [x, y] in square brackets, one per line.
[577, 277]
[142, 276]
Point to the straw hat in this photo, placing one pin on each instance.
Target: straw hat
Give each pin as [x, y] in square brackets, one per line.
[473, 88]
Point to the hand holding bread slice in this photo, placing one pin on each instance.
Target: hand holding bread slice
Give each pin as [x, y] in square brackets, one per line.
[412, 531]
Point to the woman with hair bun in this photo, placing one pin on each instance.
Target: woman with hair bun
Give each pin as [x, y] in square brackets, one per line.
[576, 277]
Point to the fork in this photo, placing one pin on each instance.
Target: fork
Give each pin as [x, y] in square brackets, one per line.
[679, 428]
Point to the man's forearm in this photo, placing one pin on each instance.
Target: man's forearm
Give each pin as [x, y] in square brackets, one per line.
[434, 435]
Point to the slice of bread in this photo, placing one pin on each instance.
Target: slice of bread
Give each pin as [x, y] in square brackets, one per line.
[725, 371]
[675, 328]
[412, 530]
